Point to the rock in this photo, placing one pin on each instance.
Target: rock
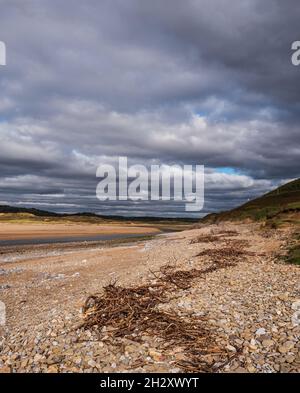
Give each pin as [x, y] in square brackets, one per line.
[24, 363]
[247, 336]
[37, 358]
[284, 297]
[252, 345]
[130, 348]
[267, 343]
[284, 368]
[290, 358]
[251, 369]
[52, 369]
[239, 342]
[296, 305]
[276, 367]
[180, 356]
[77, 360]
[155, 368]
[286, 347]
[260, 332]
[55, 360]
[177, 350]
[92, 363]
[5, 370]
[15, 357]
[296, 319]
[155, 355]
[5, 286]
[241, 370]
[175, 370]
[267, 368]
[231, 348]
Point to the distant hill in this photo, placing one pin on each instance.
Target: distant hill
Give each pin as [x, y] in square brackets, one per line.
[282, 200]
[36, 212]
[16, 213]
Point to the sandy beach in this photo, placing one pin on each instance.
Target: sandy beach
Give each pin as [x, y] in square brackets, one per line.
[246, 306]
[11, 231]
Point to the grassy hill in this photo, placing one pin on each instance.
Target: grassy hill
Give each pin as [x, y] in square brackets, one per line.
[277, 208]
[14, 214]
[273, 206]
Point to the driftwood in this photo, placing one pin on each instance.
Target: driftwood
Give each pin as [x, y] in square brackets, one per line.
[132, 312]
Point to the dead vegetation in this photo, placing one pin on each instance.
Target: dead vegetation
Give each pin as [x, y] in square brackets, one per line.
[238, 244]
[206, 239]
[183, 278]
[226, 256]
[132, 312]
[228, 233]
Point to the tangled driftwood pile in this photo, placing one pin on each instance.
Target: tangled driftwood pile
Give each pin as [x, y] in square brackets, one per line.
[230, 233]
[183, 278]
[226, 256]
[132, 312]
[206, 239]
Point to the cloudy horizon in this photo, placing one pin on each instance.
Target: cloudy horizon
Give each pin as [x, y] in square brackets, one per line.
[165, 82]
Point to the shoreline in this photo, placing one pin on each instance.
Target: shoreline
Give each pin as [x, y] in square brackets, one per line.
[44, 298]
[22, 231]
[72, 239]
[23, 252]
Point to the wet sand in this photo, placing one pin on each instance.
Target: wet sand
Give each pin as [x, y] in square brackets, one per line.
[52, 231]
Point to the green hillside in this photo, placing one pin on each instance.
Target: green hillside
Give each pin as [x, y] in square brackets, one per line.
[275, 205]
[13, 214]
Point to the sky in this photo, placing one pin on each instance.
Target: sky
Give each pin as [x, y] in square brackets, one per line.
[206, 82]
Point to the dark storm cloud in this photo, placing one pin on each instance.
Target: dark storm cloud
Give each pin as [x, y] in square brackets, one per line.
[208, 82]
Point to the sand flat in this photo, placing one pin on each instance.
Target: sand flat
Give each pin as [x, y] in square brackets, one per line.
[12, 231]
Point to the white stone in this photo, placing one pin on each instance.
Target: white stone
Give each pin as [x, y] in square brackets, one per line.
[260, 332]
[296, 305]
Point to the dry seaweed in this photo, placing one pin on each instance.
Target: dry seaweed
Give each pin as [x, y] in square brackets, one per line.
[225, 256]
[228, 233]
[206, 239]
[132, 312]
